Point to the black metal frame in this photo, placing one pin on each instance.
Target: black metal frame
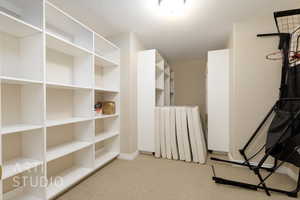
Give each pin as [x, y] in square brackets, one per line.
[284, 45]
[256, 168]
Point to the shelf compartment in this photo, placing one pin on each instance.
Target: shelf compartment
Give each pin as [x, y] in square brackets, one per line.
[101, 61]
[160, 65]
[21, 106]
[66, 139]
[160, 81]
[159, 98]
[106, 150]
[68, 28]
[73, 65]
[101, 96]
[65, 149]
[69, 169]
[22, 151]
[18, 165]
[22, 58]
[107, 78]
[68, 106]
[106, 129]
[24, 186]
[106, 49]
[172, 75]
[104, 157]
[21, 17]
[16, 27]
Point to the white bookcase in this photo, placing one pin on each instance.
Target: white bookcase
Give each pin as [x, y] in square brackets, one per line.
[154, 89]
[172, 88]
[53, 69]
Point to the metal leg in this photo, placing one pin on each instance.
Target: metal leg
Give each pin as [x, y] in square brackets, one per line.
[239, 163]
[242, 151]
[223, 181]
[262, 182]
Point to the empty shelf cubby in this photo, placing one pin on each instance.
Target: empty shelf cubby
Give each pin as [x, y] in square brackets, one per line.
[69, 169]
[28, 185]
[106, 128]
[106, 78]
[21, 57]
[67, 106]
[106, 50]
[21, 106]
[66, 139]
[29, 12]
[68, 29]
[74, 69]
[22, 151]
[106, 150]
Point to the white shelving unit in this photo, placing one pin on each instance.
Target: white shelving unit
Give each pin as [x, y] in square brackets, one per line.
[167, 88]
[53, 69]
[154, 89]
[172, 88]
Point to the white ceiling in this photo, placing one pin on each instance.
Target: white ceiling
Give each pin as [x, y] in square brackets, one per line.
[205, 26]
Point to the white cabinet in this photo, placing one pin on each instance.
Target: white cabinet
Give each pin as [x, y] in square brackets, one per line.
[218, 100]
[154, 89]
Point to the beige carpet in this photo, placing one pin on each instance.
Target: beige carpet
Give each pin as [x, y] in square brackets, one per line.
[148, 178]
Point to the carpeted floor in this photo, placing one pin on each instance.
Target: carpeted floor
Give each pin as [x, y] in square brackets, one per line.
[148, 178]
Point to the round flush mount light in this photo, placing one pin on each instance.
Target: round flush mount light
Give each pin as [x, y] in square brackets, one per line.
[172, 7]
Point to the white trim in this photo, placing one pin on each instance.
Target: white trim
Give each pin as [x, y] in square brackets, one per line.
[282, 170]
[128, 156]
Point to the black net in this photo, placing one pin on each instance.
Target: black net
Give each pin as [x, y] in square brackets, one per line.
[284, 132]
[289, 22]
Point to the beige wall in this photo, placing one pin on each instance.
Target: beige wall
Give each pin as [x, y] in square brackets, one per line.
[254, 80]
[190, 83]
[130, 46]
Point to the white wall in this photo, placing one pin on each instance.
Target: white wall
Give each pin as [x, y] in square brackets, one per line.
[130, 46]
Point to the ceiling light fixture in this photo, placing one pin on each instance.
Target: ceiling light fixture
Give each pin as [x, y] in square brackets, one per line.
[172, 7]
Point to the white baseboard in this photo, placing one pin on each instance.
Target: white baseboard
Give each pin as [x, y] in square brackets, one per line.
[282, 170]
[291, 173]
[128, 156]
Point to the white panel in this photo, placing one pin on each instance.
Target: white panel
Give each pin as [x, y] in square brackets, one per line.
[199, 135]
[179, 133]
[157, 132]
[218, 100]
[167, 131]
[185, 136]
[174, 146]
[192, 135]
[146, 101]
